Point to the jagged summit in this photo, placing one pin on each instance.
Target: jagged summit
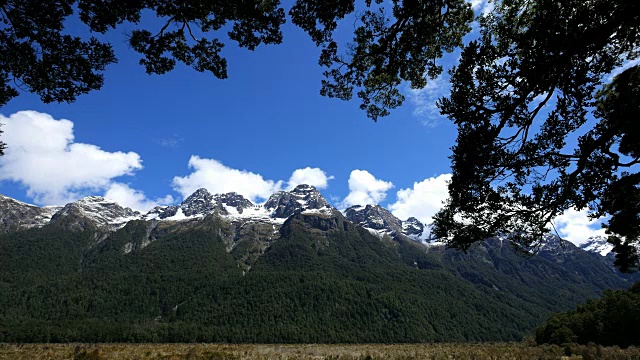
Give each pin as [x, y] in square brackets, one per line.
[279, 206]
[306, 199]
[375, 219]
[381, 221]
[302, 198]
[199, 203]
[552, 244]
[597, 245]
[234, 200]
[416, 230]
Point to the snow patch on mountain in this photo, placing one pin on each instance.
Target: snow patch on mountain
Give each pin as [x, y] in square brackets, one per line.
[597, 245]
[380, 222]
[18, 215]
[234, 207]
[101, 212]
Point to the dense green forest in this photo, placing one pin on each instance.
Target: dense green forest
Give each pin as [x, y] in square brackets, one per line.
[612, 320]
[325, 280]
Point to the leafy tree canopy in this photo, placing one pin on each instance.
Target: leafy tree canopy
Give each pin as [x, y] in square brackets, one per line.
[392, 43]
[535, 81]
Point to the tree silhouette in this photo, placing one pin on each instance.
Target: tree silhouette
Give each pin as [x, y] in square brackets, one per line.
[534, 83]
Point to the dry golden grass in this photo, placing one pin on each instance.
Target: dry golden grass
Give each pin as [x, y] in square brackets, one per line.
[311, 351]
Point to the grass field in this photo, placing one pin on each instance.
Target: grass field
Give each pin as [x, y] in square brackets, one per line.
[346, 352]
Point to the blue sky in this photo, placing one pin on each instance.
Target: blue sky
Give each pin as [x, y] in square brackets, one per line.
[135, 139]
[267, 118]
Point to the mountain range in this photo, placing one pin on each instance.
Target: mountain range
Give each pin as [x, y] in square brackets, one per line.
[217, 267]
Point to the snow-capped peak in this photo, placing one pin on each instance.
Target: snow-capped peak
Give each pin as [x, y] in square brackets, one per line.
[281, 205]
[375, 218]
[302, 198]
[200, 202]
[597, 245]
[101, 212]
[416, 230]
[233, 200]
[381, 221]
[18, 215]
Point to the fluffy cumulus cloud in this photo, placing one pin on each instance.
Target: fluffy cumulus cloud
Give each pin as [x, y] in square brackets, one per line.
[575, 226]
[309, 176]
[423, 200]
[217, 178]
[43, 157]
[365, 189]
[132, 198]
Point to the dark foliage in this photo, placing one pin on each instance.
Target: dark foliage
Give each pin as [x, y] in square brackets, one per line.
[531, 82]
[612, 320]
[325, 280]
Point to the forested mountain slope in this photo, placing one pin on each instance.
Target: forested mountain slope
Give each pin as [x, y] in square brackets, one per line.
[313, 276]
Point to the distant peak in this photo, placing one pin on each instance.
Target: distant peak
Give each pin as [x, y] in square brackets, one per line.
[302, 198]
[7, 198]
[202, 192]
[93, 198]
[374, 217]
[304, 188]
[597, 245]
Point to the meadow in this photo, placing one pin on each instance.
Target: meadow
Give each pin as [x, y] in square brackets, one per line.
[460, 351]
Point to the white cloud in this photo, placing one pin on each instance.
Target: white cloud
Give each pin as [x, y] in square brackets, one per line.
[365, 189]
[135, 199]
[424, 100]
[576, 227]
[423, 200]
[310, 176]
[481, 6]
[42, 156]
[218, 178]
[214, 176]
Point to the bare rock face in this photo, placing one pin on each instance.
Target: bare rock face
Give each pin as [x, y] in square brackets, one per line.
[162, 212]
[232, 202]
[16, 215]
[412, 227]
[200, 204]
[303, 197]
[381, 222]
[376, 218]
[94, 212]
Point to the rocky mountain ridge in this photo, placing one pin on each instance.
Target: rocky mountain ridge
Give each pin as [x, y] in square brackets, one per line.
[220, 259]
[109, 216]
[17, 215]
[380, 221]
